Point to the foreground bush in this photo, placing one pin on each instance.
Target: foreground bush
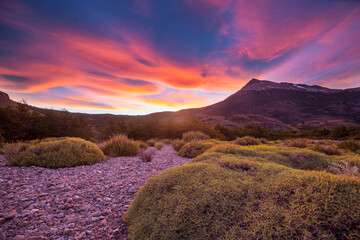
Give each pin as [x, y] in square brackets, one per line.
[159, 145]
[177, 144]
[119, 146]
[194, 136]
[53, 153]
[238, 198]
[194, 149]
[247, 140]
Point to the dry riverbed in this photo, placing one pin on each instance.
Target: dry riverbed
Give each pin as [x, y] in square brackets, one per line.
[85, 202]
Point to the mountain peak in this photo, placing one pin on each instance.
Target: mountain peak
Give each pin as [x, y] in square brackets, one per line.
[4, 99]
[262, 85]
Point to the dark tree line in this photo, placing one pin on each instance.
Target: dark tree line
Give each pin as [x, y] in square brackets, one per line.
[23, 123]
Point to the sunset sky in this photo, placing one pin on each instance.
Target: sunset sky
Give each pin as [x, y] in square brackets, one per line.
[142, 56]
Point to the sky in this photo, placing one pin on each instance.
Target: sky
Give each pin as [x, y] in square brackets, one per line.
[142, 56]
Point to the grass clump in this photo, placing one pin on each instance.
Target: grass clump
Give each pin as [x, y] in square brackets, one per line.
[247, 140]
[194, 136]
[159, 145]
[53, 153]
[194, 149]
[151, 142]
[298, 143]
[177, 144]
[240, 198]
[350, 145]
[328, 150]
[142, 144]
[146, 155]
[120, 145]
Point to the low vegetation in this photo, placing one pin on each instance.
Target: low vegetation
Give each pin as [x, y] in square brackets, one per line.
[53, 153]
[194, 136]
[159, 145]
[250, 192]
[151, 142]
[142, 144]
[177, 144]
[350, 145]
[119, 146]
[247, 140]
[194, 149]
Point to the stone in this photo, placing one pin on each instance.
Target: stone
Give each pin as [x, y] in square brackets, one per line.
[68, 231]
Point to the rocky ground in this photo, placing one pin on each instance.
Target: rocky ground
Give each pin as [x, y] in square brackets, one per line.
[85, 202]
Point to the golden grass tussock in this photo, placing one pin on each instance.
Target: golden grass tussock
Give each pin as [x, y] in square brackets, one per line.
[194, 136]
[194, 149]
[247, 140]
[53, 153]
[159, 145]
[120, 145]
[177, 144]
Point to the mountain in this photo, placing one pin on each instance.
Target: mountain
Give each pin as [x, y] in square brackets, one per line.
[296, 105]
[276, 106]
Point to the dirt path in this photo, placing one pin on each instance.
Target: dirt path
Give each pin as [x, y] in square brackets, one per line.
[85, 202]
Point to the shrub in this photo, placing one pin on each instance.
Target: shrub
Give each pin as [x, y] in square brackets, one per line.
[294, 158]
[159, 145]
[151, 142]
[2, 140]
[247, 140]
[349, 145]
[142, 144]
[298, 143]
[194, 136]
[69, 152]
[147, 155]
[12, 150]
[177, 144]
[328, 150]
[243, 199]
[120, 145]
[194, 149]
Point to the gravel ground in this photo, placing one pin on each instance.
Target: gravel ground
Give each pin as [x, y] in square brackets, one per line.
[85, 202]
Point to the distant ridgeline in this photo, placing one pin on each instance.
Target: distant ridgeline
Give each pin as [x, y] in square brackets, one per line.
[260, 109]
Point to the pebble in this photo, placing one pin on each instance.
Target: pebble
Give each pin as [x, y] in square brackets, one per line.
[84, 202]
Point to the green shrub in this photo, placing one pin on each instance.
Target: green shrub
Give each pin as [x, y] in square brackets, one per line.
[194, 136]
[295, 158]
[194, 149]
[151, 142]
[328, 150]
[142, 144]
[54, 153]
[120, 145]
[177, 144]
[159, 145]
[349, 145]
[247, 140]
[239, 198]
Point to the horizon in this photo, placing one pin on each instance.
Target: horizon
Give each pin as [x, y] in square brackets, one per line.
[141, 57]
